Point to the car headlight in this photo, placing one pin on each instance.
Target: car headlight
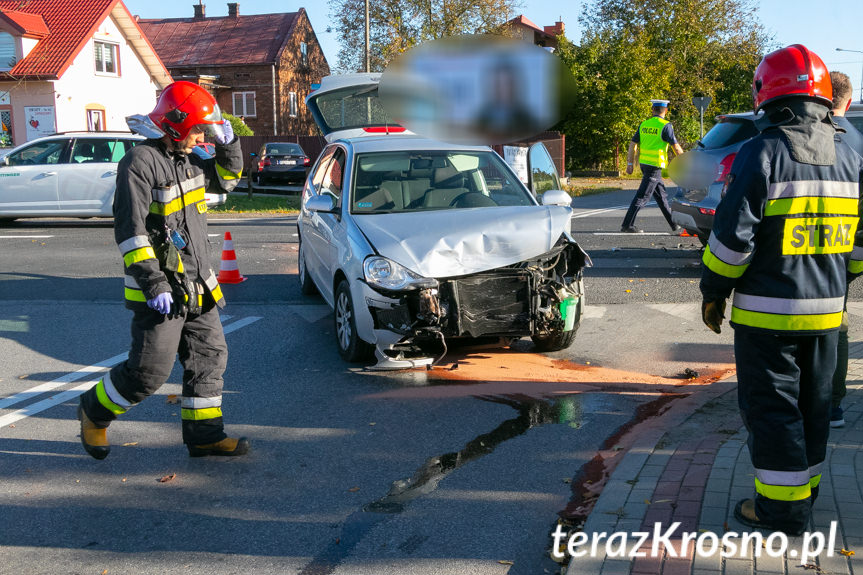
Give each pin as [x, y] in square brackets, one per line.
[383, 273]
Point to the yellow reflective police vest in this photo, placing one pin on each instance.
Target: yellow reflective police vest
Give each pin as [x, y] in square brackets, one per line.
[653, 150]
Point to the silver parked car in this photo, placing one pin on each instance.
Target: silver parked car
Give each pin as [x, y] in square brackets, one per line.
[694, 206]
[414, 242]
[70, 174]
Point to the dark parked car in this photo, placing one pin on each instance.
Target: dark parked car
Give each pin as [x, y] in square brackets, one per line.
[279, 161]
[694, 208]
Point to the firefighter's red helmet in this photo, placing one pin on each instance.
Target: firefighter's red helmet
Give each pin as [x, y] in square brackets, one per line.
[791, 71]
[182, 106]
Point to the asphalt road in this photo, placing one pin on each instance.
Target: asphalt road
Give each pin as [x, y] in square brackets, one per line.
[462, 469]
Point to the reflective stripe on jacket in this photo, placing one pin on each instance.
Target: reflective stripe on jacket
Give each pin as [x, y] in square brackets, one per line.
[784, 237]
[157, 189]
[653, 150]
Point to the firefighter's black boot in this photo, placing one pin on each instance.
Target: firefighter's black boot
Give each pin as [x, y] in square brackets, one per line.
[230, 446]
[94, 439]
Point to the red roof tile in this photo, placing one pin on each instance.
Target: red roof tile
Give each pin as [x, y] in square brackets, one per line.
[254, 39]
[29, 24]
[71, 23]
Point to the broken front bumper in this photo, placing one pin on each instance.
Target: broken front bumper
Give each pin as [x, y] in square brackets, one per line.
[536, 297]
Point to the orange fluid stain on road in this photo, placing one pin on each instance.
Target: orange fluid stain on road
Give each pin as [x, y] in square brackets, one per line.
[505, 372]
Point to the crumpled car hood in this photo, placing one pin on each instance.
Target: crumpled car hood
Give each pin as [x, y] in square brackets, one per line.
[448, 243]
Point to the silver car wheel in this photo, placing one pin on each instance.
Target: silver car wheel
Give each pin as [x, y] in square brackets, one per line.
[343, 321]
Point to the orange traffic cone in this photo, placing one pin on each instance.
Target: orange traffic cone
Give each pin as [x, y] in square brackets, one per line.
[229, 272]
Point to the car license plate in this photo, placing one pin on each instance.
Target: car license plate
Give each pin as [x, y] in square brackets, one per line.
[287, 162]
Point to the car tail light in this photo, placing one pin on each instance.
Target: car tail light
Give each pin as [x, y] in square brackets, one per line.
[306, 161]
[706, 212]
[385, 130]
[264, 163]
[725, 167]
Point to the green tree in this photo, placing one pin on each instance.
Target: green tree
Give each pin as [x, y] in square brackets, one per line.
[397, 25]
[672, 49]
[239, 126]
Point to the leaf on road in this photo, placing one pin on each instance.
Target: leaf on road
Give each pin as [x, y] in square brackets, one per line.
[505, 562]
[372, 423]
[172, 399]
[168, 478]
[23, 376]
[12, 425]
[647, 501]
[130, 444]
[567, 480]
[628, 290]
[105, 572]
[354, 489]
[123, 480]
[846, 553]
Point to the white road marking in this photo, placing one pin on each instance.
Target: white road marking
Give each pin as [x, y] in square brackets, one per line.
[598, 211]
[213, 235]
[685, 311]
[2, 237]
[61, 381]
[74, 392]
[594, 311]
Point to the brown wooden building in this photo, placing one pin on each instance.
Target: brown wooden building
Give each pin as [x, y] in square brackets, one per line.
[260, 67]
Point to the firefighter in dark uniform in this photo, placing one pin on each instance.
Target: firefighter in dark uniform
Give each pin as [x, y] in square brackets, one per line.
[160, 226]
[652, 138]
[782, 240]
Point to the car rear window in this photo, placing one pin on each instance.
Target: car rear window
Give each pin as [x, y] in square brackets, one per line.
[856, 121]
[728, 132]
[283, 149]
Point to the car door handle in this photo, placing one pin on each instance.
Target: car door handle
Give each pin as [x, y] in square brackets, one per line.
[109, 173]
[46, 174]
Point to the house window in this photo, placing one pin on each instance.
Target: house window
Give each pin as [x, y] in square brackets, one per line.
[106, 58]
[244, 104]
[304, 54]
[292, 104]
[8, 53]
[95, 120]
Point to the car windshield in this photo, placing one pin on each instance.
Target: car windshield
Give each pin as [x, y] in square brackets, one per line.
[351, 107]
[283, 149]
[728, 132]
[387, 182]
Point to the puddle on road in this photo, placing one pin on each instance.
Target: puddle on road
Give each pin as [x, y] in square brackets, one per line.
[531, 413]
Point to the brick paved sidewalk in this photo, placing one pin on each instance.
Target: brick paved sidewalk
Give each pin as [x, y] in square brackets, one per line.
[696, 473]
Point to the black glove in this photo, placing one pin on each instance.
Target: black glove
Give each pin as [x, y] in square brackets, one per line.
[712, 314]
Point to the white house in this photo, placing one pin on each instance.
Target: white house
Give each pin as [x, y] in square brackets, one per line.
[68, 66]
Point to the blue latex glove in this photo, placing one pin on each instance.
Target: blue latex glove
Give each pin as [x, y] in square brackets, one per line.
[224, 133]
[161, 303]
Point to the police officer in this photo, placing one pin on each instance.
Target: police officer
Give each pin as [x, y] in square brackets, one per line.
[782, 240]
[652, 139]
[161, 230]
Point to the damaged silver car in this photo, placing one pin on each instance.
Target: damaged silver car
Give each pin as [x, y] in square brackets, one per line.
[416, 242]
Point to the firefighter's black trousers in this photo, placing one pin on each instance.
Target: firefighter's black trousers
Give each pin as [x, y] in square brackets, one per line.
[199, 342]
[784, 388]
[651, 186]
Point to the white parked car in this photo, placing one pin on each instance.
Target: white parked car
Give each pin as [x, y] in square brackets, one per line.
[415, 242]
[70, 174]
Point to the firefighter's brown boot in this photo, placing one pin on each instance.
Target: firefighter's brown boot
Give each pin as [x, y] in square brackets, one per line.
[94, 439]
[230, 446]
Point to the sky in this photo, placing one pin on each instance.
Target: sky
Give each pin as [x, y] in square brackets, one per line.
[821, 26]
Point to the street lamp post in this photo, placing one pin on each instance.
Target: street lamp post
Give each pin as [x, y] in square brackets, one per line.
[861, 72]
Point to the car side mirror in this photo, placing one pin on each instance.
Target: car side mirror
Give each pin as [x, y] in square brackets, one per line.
[556, 198]
[320, 203]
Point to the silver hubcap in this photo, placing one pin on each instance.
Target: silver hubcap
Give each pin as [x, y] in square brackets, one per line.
[343, 321]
